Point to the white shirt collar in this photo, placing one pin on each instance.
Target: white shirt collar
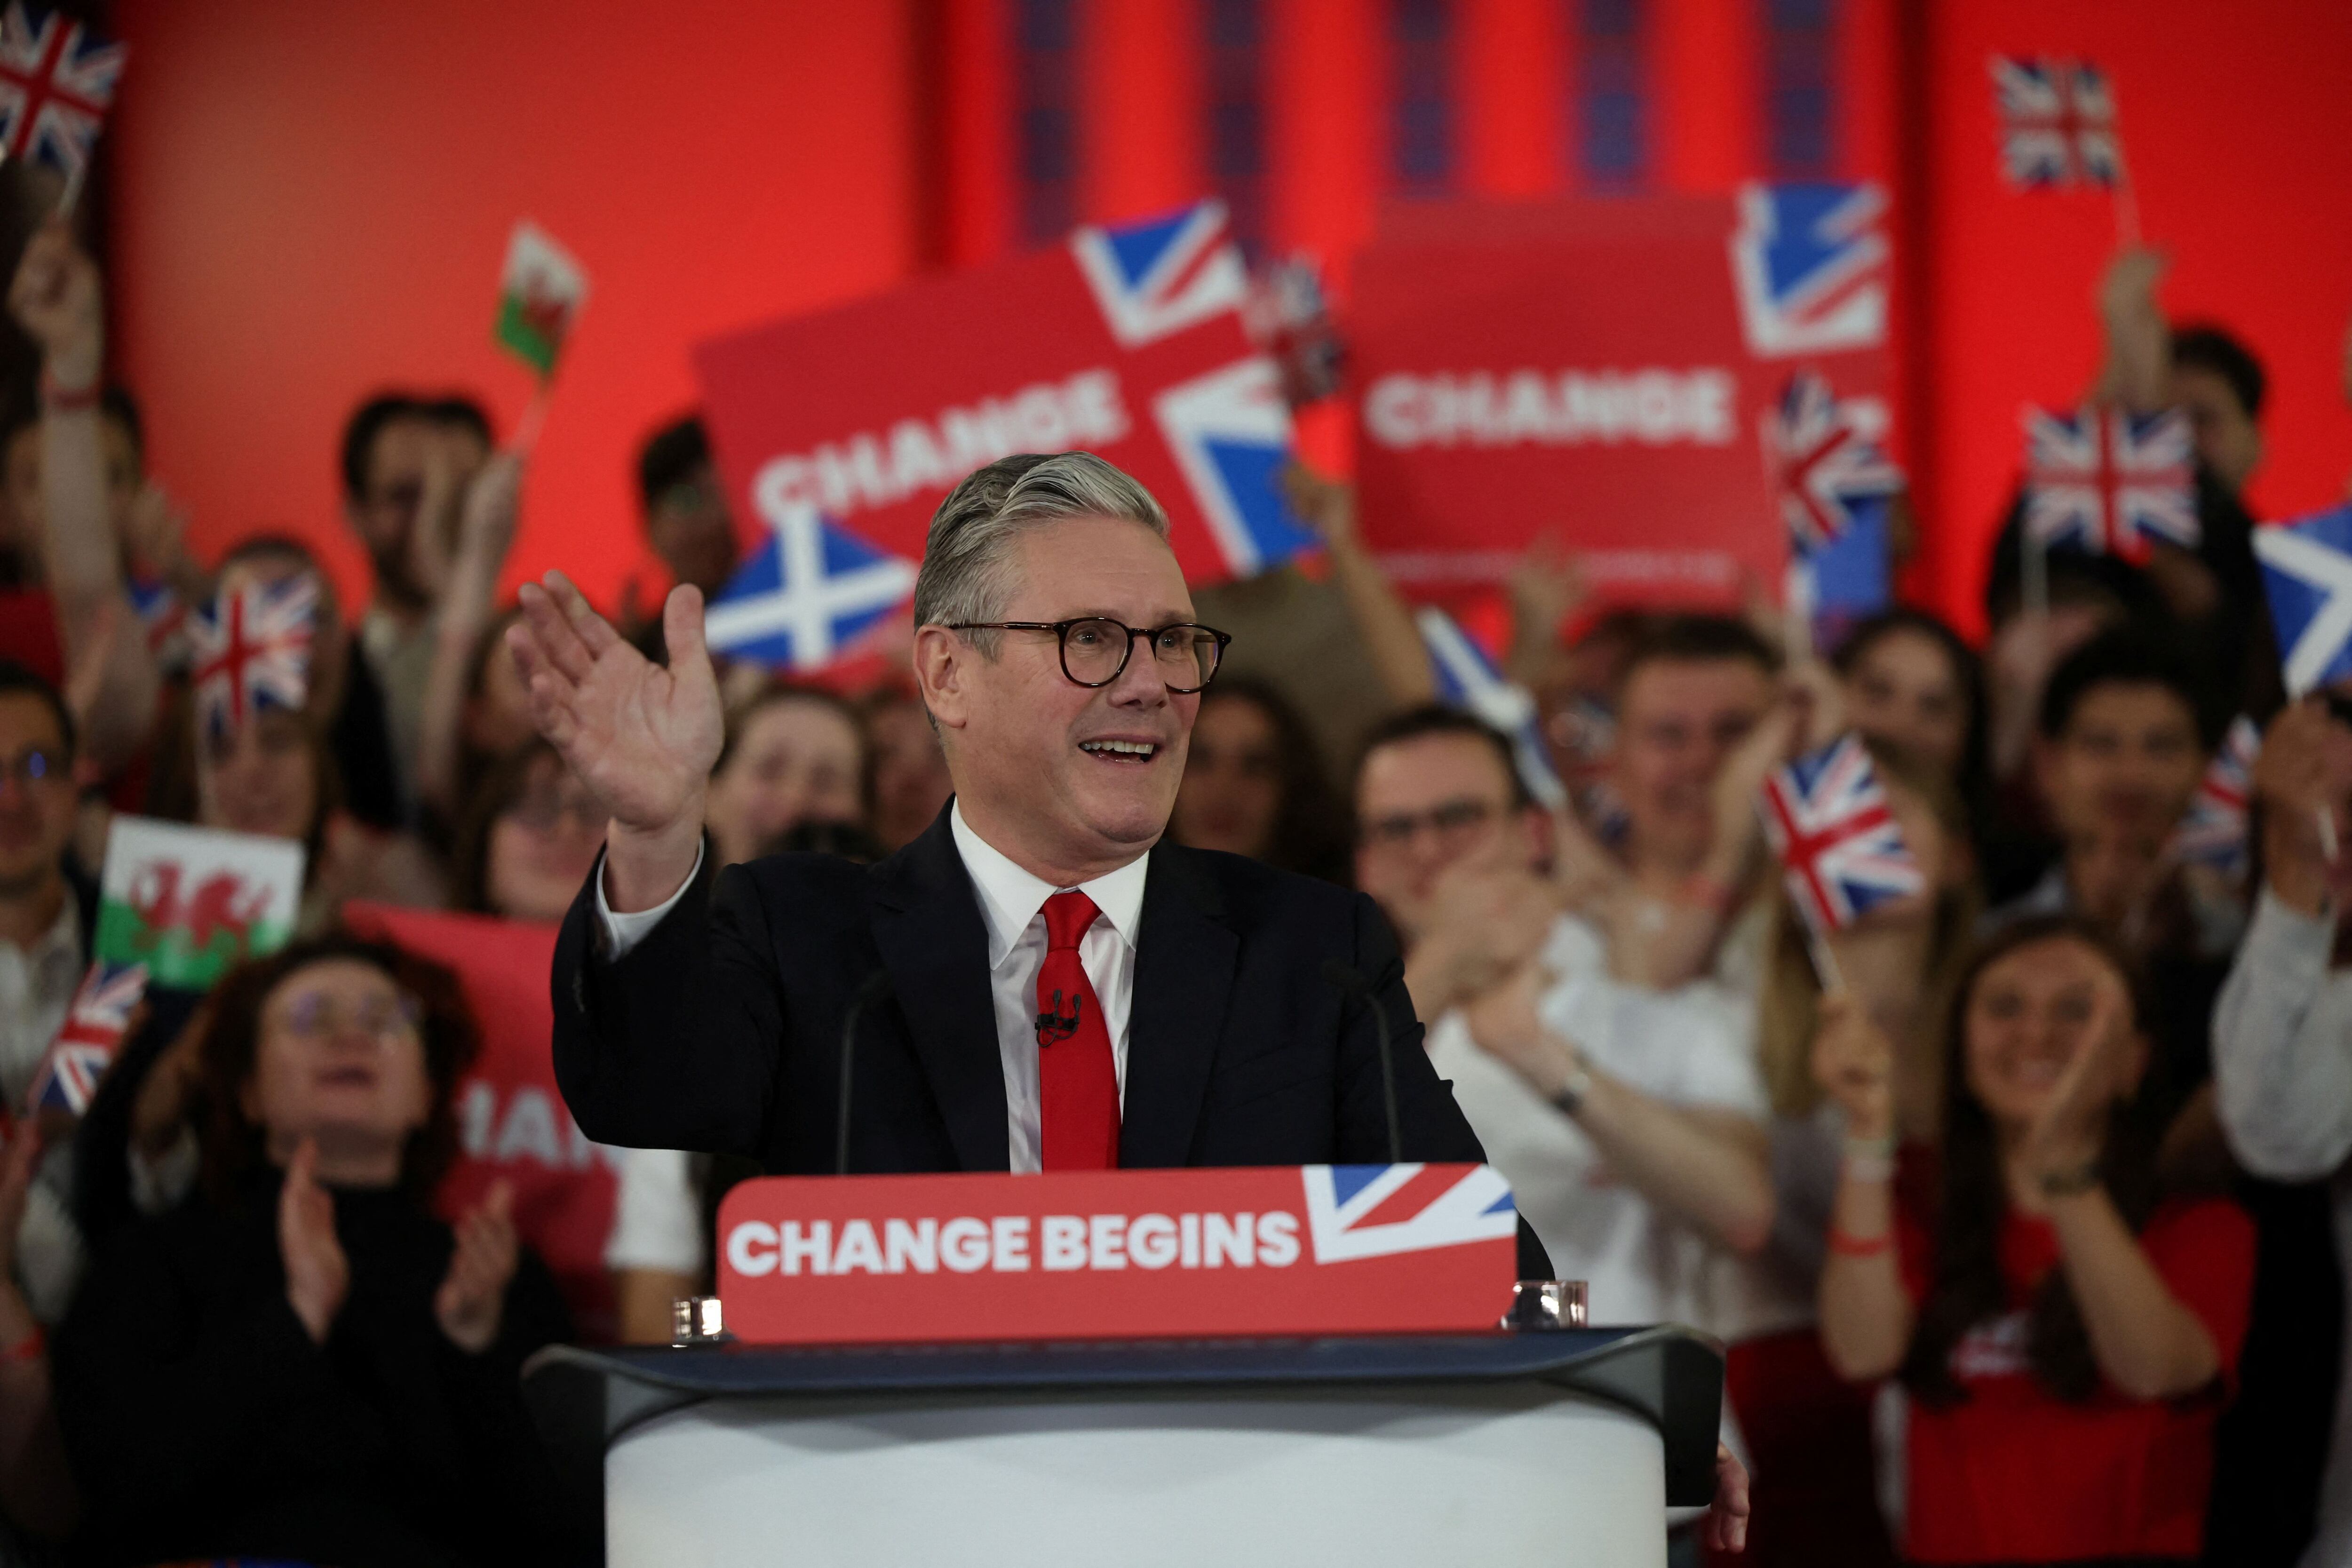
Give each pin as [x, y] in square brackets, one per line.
[1010, 897]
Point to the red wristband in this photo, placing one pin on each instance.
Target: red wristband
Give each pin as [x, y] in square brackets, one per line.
[1846, 1245]
[57, 398]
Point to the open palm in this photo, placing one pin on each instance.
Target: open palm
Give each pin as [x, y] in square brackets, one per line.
[641, 737]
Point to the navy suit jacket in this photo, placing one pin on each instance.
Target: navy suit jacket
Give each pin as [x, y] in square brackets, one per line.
[722, 1029]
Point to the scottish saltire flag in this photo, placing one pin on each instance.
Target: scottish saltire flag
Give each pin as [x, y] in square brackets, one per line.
[2307, 573]
[2057, 123]
[1467, 678]
[1848, 581]
[1378, 1211]
[1825, 468]
[807, 595]
[1156, 278]
[2108, 481]
[252, 650]
[56, 82]
[1811, 268]
[1841, 850]
[1230, 432]
[2213, 832]
[96, 1020]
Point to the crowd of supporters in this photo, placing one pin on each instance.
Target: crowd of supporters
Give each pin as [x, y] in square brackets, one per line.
[2022, 1235]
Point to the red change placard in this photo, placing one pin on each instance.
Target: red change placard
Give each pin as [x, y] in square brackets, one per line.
[1601, 369]
[1118, 1253]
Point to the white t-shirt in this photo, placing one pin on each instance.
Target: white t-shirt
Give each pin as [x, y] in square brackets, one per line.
[657, 1213]
[1689, 1046]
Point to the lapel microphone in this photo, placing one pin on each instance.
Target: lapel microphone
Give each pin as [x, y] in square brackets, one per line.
[1057, 1024]
[872, 989]
[1351, 983]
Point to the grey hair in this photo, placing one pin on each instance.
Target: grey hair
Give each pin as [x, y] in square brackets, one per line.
[965, 559]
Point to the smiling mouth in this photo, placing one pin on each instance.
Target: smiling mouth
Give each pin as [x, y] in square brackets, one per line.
[1131, 752]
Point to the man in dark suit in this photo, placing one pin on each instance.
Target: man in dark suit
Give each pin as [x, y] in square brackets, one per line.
[700, 1007]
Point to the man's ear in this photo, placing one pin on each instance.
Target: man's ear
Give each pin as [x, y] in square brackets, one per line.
[943, 671]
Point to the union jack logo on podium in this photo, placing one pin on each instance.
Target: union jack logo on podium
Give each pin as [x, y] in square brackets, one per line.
[1467, 678]
[2110, 482]
[2307, 577]
[1230, 433]
[1811, 268]
[2213, 831]
[1841, 852]
[56, 82]
[1824, 467]
[1157, 278]
[1379, 1211]
[96, 1021]
[252, 651]
[2057, 123]
[806, 595]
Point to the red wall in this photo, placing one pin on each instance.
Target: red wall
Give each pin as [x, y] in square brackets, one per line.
[2239, 132]
[311, 201]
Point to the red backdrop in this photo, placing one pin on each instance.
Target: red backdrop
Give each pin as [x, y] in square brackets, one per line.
[313, 200]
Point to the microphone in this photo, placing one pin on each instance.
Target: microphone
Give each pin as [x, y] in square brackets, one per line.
[871, 990]
[1353, 984]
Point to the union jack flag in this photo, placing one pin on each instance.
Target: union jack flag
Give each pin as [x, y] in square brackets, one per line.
[2213, 832]
[96, 1021]
[1467, 678]
[1811, 268]
[2057, 123]
[253, 650]
[1824, 467]
[1379, 1211]
[1230, 433]
[2110, 481]
[56, 82]
[1841, 850]
[1158, 276]
[164, 618]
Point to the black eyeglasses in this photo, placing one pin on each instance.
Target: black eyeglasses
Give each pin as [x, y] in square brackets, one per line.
[1095, 649]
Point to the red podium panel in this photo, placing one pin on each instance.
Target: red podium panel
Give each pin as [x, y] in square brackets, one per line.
[1317, 1249]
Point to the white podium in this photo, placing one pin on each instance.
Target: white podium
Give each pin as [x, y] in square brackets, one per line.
[1534, 1447]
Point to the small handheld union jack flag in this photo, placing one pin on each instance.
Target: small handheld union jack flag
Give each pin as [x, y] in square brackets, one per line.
[1841, 852]
[2110, 481]
[96, 1021]
[2213, 832]
[2057, 123]
[56, 82]
[1824, 467]
[253, 650]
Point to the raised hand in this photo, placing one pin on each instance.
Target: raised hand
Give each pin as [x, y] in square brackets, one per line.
[486, 525]
[2071, 1130]
[1327, 506]
[1507, 1022]
[473, 1293]
[643, 738]
[318, 1275]
[1853, 1063]
[56, 298]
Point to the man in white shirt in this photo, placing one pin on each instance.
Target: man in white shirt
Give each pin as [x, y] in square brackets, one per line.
[1630, 1120]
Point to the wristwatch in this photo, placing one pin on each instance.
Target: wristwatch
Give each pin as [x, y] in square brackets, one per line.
[1570, 1098]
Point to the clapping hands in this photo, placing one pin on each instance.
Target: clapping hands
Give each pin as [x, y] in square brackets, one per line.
[472, 1297]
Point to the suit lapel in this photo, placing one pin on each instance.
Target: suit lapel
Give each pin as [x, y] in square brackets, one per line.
[927, 922]
[1184, 971]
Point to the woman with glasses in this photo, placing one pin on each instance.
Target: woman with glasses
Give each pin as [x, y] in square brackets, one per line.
[302, 1363]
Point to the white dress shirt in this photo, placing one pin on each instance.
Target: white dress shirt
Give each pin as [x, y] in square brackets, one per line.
[1011, 908]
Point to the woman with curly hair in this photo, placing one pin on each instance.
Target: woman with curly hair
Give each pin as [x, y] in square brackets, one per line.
[301, 1361]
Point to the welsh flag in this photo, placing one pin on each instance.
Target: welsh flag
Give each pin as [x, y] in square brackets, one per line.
[540, 297]
[191, 903]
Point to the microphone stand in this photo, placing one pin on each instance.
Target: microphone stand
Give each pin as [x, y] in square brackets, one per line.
[1352, 983]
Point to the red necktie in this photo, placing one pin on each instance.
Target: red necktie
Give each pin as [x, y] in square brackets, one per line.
[1077, 1082]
